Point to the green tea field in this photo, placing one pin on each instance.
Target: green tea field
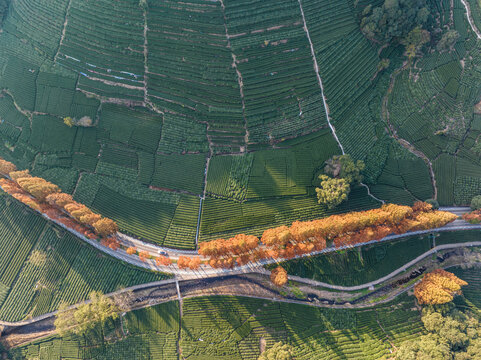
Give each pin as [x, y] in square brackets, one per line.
[368, 263]
[237, 328]
[42, 266]
[188, 140]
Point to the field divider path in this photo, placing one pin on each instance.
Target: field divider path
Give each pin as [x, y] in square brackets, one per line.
[404, 143]
[326, 108]
[239, 75]
[179, 296]
[64, 30]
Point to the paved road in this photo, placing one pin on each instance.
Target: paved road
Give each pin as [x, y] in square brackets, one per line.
[470, 19]
[206, 271]
[153, 249]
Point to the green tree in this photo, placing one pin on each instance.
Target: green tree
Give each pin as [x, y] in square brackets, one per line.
[68, 121]
[452, 334]
[279, 351]
[332, 192]
[394, 19]
[86, 316]
[434, 203]
[448, 40]
[415, 40]
[476, 202]
[426, 347]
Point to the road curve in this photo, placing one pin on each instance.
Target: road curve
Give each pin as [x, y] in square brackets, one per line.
[265, 272]
[206, 271]
[388, 276]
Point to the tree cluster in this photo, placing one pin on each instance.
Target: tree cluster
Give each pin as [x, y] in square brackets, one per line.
[185, 262]
[237, 245]
[104, 227]
[304, 237]
[46, 197]
[476, 202]
[438, 287]
[86, 316]
[279, 351]
[474, 217]
[452, 335]
[111, 242]
[144, 255]
[340, 173]
[163, 261]
[84, 121]
[394, 19]
[447, 41]
[6, 167]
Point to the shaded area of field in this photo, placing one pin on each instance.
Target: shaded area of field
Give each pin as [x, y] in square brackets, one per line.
[368, 263]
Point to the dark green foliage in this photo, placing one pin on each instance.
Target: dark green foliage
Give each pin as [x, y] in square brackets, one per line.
[3, 10]
[476, 202]
[344, 167]
[394, 19]
[433, 202]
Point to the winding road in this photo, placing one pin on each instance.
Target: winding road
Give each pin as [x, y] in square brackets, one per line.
[177, 293]
[206, 271]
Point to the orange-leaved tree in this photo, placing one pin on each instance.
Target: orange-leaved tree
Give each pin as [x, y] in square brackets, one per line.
[131, 250]
[194, 263]
[438, 287]
[6, 167]
[105, 227]
[183, 262]
[144, 255]
[162, 261]
[279, 276]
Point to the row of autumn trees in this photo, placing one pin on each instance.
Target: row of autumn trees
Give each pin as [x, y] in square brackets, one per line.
[46, 197]
[300, 238]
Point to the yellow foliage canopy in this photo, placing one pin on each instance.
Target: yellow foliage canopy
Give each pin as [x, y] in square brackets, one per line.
[438, 287]
[279, 276]
[6, 167]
